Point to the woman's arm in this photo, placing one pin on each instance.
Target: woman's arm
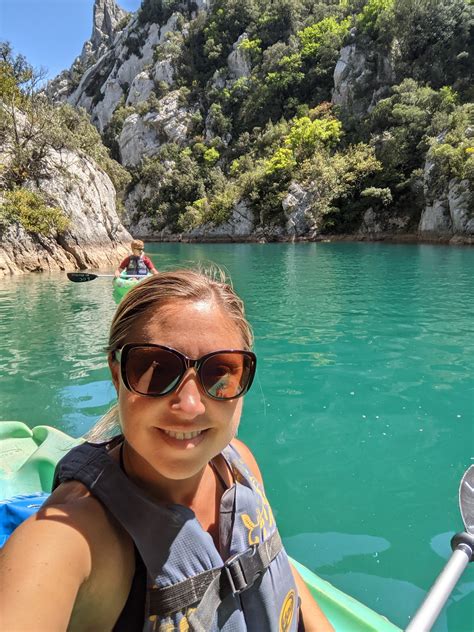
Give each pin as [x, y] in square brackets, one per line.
[313, 617]
[68, 567]
[42, 567]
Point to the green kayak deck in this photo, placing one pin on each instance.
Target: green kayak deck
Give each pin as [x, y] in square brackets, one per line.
[344, 612]
[28, 457]
[27, 461]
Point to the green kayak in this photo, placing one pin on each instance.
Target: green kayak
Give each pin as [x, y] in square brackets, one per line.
[122, 284]
[28, 457]
[27, 461]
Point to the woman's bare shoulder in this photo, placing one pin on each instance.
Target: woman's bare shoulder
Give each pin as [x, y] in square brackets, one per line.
[248, 458]
[71, 524]
[70, 548]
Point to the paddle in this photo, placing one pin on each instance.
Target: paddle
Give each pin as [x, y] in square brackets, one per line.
[82, 277]
[462, 545]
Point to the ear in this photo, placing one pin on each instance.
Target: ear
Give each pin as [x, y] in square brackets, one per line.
[114, 367]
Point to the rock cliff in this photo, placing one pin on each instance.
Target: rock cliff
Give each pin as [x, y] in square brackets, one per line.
[95, 239]
[128, 80]
[449, 210]
[362, 77]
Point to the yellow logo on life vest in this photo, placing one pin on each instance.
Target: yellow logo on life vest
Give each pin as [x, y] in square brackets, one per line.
[259, 528]
[172, 624]
[287, 610]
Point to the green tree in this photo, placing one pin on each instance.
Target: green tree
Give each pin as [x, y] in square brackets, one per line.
[32, 211]
[436, 37]
[30, 127]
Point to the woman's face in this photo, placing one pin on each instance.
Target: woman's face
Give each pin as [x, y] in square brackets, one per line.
[194, 328]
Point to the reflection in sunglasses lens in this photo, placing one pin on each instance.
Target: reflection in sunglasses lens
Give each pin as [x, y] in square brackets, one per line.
[152, 371]
[222, 375]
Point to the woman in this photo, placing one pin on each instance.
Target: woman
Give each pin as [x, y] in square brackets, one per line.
[137, 531]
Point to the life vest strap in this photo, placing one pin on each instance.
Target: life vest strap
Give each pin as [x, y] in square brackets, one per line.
[211, 587]
[165, 601]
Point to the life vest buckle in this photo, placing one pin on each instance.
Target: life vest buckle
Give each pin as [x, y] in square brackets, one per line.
[243, 569]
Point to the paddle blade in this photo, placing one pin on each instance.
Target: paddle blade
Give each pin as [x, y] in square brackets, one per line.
[466, 499]
[81, 277]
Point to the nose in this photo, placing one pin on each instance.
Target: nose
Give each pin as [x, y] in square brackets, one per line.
[188, 397]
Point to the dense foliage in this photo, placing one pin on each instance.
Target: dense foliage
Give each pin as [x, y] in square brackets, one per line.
[31, 130]
[274, 126]
[32, 211]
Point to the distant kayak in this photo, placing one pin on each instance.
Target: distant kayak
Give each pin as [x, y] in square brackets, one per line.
[122, 284]
[28, 458]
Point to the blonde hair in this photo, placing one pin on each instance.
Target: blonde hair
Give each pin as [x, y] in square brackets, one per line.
[157, 291]
[137, 243]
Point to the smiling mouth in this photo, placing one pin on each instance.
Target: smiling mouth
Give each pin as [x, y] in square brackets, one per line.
[182, 436]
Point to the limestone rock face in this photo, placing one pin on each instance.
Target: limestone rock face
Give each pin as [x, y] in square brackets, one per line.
[449, 205]
[461, 206]
[450, 213]
[238, 61]
[96, 237]
[137, 140]
[361, 78]
[141, 88]
[381, 223]
[140, 225]
[164, 70]
[239, 226]
[172, 118]
[436, 219]
[112, 95]
[115, 71]
[106, 17]
[142, 135]
[296, 204]
[201, 5]
[111, 64]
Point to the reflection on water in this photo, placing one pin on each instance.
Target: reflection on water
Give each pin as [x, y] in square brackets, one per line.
[361, 413]
[328, 549]
[400, 598]
[52, 334]
[397, 598]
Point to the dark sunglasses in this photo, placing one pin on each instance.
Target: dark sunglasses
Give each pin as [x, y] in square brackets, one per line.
[155, 370]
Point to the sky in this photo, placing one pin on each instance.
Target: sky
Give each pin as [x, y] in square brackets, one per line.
[50, 33]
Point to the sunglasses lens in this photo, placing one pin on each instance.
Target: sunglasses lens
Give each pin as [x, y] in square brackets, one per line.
[227, 375]
[153, 371]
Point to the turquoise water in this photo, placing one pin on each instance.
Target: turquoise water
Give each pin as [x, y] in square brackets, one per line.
[361, 416]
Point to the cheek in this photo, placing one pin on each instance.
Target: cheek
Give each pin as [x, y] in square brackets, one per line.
[129, 408]
[115, 373]
[234, 420]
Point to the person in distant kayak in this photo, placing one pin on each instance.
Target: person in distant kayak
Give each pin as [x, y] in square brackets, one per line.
[165, 526]
[136, 264]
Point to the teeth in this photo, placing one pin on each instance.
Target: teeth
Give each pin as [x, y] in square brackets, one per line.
[182, 435]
